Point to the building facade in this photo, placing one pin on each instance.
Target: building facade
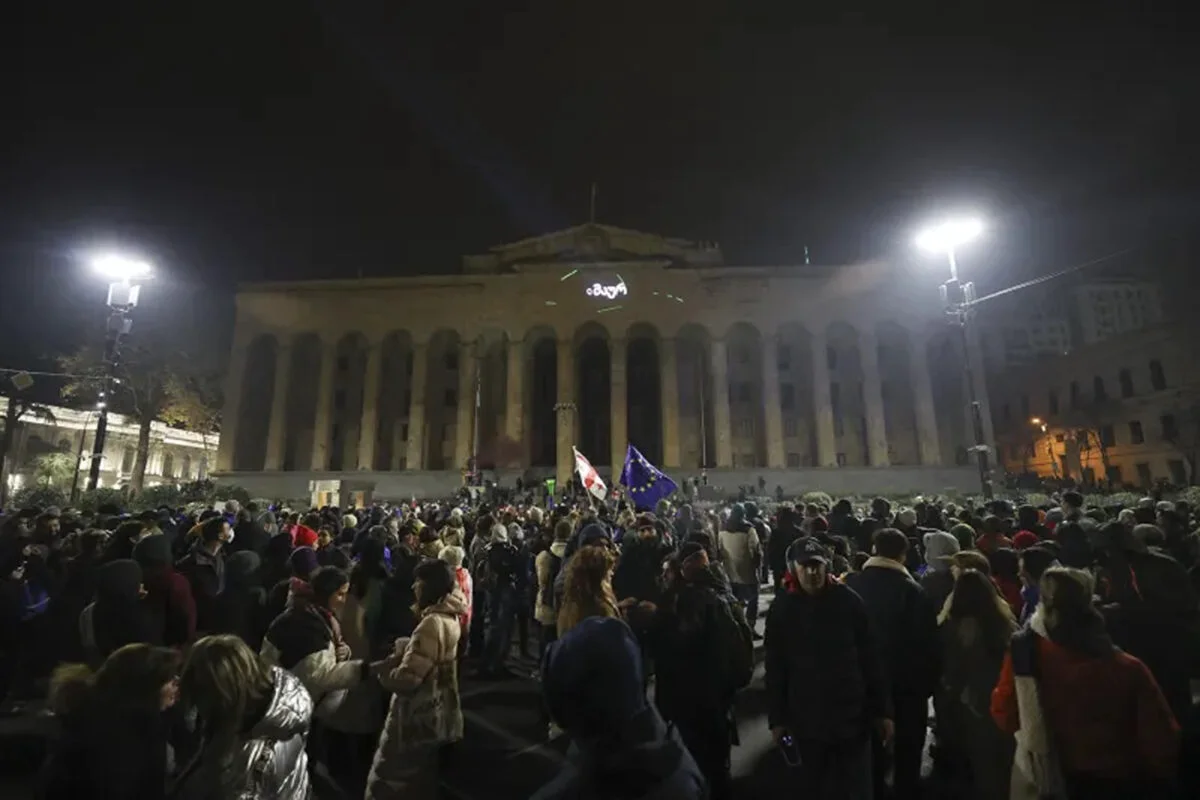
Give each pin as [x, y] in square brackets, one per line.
[175, 456]
[1122, 410]
[594, 337]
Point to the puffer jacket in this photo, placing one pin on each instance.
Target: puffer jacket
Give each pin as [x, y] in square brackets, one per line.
[426, 709]
[301, 642]
[741, 553]
[269, 763]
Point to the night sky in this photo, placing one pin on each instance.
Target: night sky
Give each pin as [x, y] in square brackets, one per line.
[276, 140]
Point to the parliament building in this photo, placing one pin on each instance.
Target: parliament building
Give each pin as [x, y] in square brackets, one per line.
[843, 378]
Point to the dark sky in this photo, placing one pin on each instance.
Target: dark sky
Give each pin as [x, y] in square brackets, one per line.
[273, 140]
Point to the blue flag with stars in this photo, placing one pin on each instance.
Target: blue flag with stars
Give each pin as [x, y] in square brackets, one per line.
[645, 482]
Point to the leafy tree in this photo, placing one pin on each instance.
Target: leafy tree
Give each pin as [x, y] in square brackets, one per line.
[153, 381]
[19, 409]
[54, 469]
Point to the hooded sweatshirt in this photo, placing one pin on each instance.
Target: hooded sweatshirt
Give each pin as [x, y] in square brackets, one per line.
[938, 582]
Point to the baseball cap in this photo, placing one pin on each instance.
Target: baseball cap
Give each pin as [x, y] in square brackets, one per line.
[807, 551]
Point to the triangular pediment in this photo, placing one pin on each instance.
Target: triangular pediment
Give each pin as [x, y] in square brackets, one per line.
[592, 243]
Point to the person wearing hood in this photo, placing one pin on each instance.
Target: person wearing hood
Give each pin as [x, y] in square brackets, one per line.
[304, 534]
[906, 622]
[454, 534]
[593, 684]
[1114, 734]
[117, 616]
[422, 674]
[741, 554]
[367, 579]
[786, 532]
[253, 719]
[204, 568]
[249, 534]
[167, 592]
[684, 629]
[548, 565]
[938, 581]
[241, 608]
[827, 691]
[302, 563]
[115, 731]
[640, 565]
[497, 570]
[454, 556]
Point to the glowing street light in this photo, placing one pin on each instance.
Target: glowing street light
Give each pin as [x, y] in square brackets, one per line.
[948, 236]
[117, 267]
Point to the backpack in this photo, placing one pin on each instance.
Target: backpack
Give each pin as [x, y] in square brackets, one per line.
[547, 596]
[734, 643]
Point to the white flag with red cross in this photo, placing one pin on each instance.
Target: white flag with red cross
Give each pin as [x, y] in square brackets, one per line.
[588, 476]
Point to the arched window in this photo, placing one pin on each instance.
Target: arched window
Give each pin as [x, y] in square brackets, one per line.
[127, 457]
[168, 465]
[185, 467]
[1098, 389]
[1158, 379]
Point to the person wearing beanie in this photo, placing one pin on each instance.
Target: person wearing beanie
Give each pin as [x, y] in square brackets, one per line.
[640, 566]
[1054, 517]
[304, 534]
[938, 581]
[454, 534]
[498, 569]
[204, 568]
[965, 535]
[168, 593]
[594, 688]
[349, 521]
[241, 608]
[302, 563]
[454, 556]
[117, 616]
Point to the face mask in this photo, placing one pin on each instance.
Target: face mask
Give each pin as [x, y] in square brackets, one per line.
[229, 537]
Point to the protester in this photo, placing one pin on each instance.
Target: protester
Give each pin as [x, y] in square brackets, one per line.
[547, 566]
[118, 616]
[204, 569]
[168, 593]
[741, 554]
[588, 588]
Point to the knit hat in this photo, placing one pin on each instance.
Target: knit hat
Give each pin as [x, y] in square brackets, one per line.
[452, 555]
[737, 514]
[153, 551]
[592, 534]
[937, 545]
[499, 533]
[592, 679]
[1055, 516]
[232, 506]
[1164, 505]
[456, 517]
[515, 532]
[907, 518]
[1025, 539]
[349, 521]
[241, 568]
[304, 536]
[303, 561]
[965, 535]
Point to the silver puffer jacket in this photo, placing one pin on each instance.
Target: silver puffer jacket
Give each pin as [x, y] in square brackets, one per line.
[269, 763]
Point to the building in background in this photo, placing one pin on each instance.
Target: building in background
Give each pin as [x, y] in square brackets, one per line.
[175, 455]
[1122, 409]
[1103, 310]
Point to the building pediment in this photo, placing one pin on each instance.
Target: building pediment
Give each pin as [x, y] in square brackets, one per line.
[594, 244]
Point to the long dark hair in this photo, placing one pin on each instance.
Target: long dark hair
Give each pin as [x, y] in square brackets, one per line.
[371, 566]
[437, 580]
[128, 682]
[978, 613]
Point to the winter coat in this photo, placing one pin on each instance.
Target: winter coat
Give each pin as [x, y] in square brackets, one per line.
[741, 553]
[777, 549]
[426, 710]
[268, 762]
[825, 678]
[647, 762]
[302, 642]
[170, 594]
[358, 615]
[452, 536]
[1105, 713]
[905, 623]
[546, 610]
[205, 572]
[396, 619]
[639, 568]
[106, 756]
[241, 610]
[248, 535]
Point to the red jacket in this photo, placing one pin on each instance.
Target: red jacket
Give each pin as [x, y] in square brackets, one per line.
[988, 542]
[1107, 715]
[172, 594]
[1010, 590]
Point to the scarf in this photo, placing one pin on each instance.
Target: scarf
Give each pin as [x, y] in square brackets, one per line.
[301, 598]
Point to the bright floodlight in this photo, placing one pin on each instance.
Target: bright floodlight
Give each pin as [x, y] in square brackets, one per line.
[121, 268]
[948, 235]
[1036, 420]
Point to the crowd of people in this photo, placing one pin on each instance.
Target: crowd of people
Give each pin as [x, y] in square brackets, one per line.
[239, 652]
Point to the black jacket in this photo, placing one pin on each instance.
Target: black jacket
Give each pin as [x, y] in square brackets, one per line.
[107, 756]
[248, 535]
[906, 623]
[638, 571]
[206, 574]
[824, 675]
[777, 547]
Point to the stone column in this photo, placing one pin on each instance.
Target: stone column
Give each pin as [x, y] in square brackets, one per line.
[723, 436]
[877, 443]
[468, 368]
[668, 373]
[823, 402]
[927, 429]
[514, 403]
[323, 417]
[416, 408]
[368, 430]
[618, 353]
[277, 428]
[564, 413]
[233, 403]
[773, 414]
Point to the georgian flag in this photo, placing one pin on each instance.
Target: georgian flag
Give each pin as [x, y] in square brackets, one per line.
[588, 476]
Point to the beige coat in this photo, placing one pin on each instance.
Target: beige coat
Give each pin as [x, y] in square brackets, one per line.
[544, 611]
[426, 710]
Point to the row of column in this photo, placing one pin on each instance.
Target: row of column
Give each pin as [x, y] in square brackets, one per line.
[566, 409]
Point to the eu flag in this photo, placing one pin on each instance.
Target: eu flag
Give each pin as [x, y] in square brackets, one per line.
[646, 484]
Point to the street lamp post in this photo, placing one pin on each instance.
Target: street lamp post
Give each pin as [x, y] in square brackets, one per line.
[124, 274]
[958, 298]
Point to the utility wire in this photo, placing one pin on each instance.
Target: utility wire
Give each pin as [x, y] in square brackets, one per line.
[1045, 278]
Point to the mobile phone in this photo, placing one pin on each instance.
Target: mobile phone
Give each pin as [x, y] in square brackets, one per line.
[791, 752]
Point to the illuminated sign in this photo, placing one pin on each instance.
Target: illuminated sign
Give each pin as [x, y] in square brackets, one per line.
[609, 291]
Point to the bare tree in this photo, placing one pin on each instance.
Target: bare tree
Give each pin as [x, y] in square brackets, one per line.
[19, 408]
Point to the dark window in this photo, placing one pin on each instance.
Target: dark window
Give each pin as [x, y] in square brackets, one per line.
[404, 432]
[793, 460]
[744, 392]
[339, 399]
[334, 432]
[1053, 402]
[1170, 430]
[1126, 379]
[743, 355]
[831, 357]
[452, 360]
[1113, 473]
[1024, 406]
[1145, 476]
[1158, 380]
[787, 396]
[1178, 471]
[408, 398]
[127, 456]
[790, 426]
[451, 398]
[1006, 415]
[1098, 389]
[1108, 436]
[343, 363]
[408, 364]
[784, 356]
[1074, 394]
[1136, 435]
[841, 459]
[445, 433]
